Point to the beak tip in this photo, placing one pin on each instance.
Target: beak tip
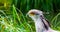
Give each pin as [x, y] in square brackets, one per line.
[26, 14]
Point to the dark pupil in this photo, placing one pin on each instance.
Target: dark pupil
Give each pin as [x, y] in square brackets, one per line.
[37, 14]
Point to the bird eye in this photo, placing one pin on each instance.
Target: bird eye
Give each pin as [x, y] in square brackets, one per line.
[37, 14]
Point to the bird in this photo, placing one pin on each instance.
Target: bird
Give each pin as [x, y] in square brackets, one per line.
[41, 24]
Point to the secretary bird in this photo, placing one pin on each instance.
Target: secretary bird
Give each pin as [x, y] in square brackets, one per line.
[41, 24]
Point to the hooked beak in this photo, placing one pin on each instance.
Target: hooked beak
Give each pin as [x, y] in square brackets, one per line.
[27, 15]
[30, 14]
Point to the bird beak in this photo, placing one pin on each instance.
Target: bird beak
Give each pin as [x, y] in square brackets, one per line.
[30, 14]
[27, 14]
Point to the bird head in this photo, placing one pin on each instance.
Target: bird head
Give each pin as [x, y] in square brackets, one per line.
[35, 14]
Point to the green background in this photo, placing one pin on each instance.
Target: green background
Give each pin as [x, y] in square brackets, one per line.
[13, 14]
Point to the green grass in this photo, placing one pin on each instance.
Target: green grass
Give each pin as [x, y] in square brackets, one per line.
[14, 23]
[55, 22]
[13, 14]
[17, 22]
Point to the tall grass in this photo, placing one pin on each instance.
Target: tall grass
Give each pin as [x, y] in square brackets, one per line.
[16, 21]
[55, 21]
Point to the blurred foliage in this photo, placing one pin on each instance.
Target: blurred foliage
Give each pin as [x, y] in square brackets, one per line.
[13, 19]
[26, 5]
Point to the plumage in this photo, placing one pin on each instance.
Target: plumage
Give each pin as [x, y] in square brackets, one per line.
[41, 24]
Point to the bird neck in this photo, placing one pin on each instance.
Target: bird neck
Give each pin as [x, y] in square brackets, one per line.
[39, 25]
[45, 22]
